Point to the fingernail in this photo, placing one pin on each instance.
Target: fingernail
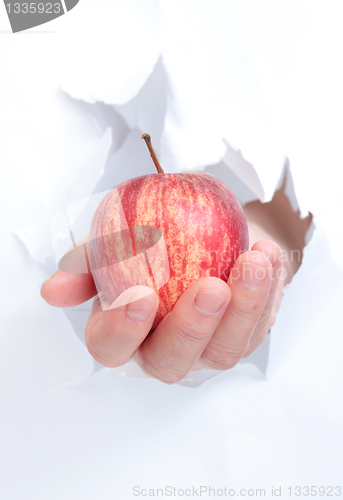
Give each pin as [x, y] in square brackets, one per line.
[209, 301]
[141, 309]
[252, 276]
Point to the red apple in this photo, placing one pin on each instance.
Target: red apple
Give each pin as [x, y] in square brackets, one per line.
[165, 231]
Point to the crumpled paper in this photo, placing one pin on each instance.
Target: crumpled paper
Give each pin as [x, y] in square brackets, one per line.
[112, 66]
[131, 159]
[255, 77]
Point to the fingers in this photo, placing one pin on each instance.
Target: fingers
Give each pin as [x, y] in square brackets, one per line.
[213, 325]
[250, 282]
[73, 283]
[113, 336]
[65, 289]
[178, 341]
[267, 318]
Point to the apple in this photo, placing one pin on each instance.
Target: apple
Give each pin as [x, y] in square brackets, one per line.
[165, 231]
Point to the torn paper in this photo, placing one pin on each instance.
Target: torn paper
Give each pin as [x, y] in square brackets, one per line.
[114, 53]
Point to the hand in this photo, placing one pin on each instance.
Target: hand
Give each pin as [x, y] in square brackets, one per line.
[213, 325]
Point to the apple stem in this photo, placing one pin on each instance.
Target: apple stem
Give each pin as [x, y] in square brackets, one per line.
[147, 139]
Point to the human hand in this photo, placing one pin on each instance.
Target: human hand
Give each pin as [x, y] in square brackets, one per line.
[213, 325]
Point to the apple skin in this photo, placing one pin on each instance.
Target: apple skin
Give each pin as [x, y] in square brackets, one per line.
[203, 226]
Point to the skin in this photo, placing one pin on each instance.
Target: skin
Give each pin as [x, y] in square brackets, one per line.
[189, 337]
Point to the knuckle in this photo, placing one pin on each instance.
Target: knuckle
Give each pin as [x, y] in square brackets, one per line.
[100, 358]
[189, 333]
[222, 359]
[246, 309]
[163, 374]
[105, 359]
[99, 349]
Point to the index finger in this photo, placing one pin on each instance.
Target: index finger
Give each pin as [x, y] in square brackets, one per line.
[73, 283]
[65, 289]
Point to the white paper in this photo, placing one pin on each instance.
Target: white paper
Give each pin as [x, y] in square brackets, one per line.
[115, 51]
